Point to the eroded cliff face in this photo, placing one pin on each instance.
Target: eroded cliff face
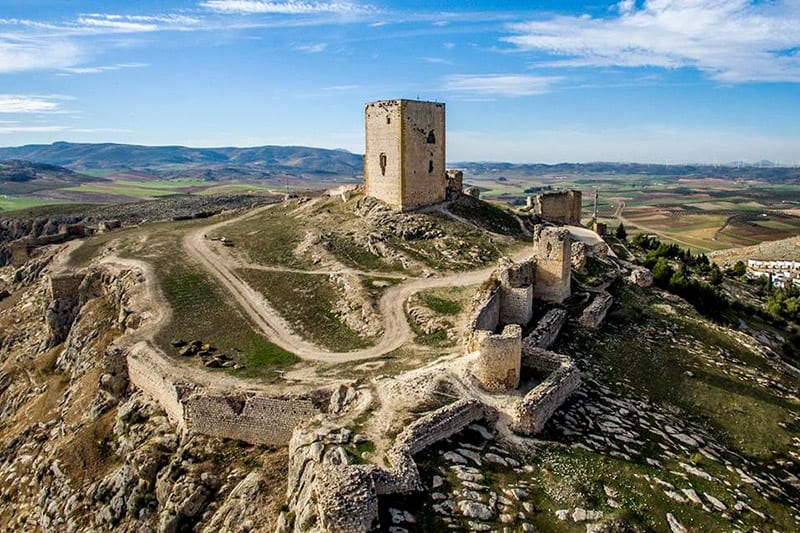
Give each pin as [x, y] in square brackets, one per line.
[82, 450]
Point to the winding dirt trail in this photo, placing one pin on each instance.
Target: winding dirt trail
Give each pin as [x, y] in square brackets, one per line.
[397, 332]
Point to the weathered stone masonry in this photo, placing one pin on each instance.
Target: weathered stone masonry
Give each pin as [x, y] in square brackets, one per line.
[560, 206]
[252, 417]
[404, 160]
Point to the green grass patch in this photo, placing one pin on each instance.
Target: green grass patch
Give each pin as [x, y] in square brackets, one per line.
[443, 306]
[269, 238]
[354, 255]
[14, 203]
[306, 302]
[202, 311]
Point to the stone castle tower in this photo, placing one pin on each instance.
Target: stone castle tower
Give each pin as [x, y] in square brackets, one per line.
[553, 253]
[404, 162]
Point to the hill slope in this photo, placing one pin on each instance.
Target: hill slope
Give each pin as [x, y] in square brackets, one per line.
[22, 177]
[163, 160]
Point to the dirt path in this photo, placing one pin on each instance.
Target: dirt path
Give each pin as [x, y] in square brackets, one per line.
[397, 332]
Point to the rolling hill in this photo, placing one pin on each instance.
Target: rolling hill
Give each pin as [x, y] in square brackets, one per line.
[208, 163]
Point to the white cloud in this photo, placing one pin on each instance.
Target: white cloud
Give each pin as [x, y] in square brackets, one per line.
[104, 68]
[12, 104]
[436, 60]
[311, 48]
[5, 130]
[113, 23]
[341, 88]
[35, 54]
[290, 7]
[730, 40]
[500, 84]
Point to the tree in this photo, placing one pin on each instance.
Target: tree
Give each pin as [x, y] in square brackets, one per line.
[715, 276]
[621, 233]
[662, 272]
[739, 269]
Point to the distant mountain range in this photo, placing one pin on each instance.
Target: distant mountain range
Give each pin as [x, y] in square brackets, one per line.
[208, 163]
[265, 162]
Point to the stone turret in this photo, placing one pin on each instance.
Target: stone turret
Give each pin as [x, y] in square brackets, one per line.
[552, 249]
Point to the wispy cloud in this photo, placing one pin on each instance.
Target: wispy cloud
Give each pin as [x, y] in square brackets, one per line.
[311, 48]
[506, 85]
[20, 54]
[248, 7]
[6, 130]
[436, 60]
[135, 23]
[104, 68]
[731, 41]
[341, 88]
[13, 104]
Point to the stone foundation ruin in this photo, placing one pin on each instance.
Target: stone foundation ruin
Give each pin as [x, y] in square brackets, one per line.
[563, 207]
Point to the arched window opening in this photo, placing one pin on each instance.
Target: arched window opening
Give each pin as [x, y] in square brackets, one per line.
[431, 138]
[383, 163]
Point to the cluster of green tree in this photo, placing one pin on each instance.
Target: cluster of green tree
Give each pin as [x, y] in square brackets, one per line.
[681, 272]
[784, 302]
[541, 188]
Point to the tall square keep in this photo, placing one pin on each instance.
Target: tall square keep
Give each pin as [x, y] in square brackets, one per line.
[404, 162]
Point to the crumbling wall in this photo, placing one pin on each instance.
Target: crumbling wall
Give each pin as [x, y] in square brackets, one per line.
[64, 305]
[145, 374]
[546, 330]
[497, 367]
[455, 180]
[486, 311]
[250, 417]
[342, 497]
[516, 289]
[552, 249]
[64, 286]
[560, 206]
[595, 312]
[532, 413]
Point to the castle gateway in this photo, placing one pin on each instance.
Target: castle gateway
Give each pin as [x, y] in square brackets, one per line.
[404, 162]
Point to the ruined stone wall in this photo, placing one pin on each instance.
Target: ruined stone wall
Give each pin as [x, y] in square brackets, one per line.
[382, 159]
[595, 312]
[547, 329]
[560, 206]
[455, 180]
[251, 418]
[516, 305]
[516, 289]
[145, 374]
[497, 367]
[536, 408]
[423, 153]
[404, 161]
[324, 489]
[552, 249]
[64, 286]
[438, 425]
[486, 313]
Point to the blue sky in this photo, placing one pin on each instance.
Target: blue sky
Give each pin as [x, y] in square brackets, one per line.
[663, 81]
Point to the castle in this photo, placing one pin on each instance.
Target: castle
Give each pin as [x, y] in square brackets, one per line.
[404, 161]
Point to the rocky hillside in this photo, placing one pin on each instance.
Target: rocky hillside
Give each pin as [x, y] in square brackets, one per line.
[81, 450]
[781, 250]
